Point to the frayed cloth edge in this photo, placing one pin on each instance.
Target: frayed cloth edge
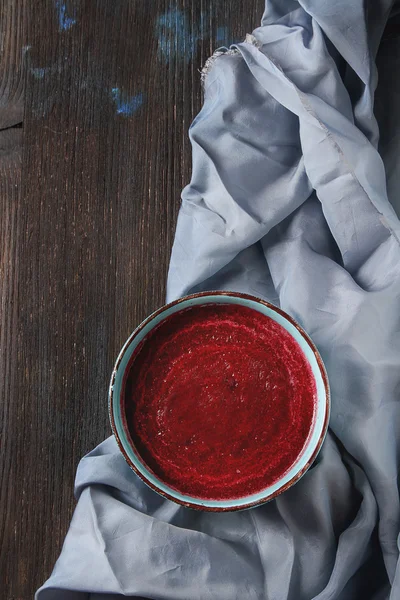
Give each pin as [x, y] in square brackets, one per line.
[249, 39]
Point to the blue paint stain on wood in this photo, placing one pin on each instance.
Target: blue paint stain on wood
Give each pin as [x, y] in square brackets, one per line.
[39, 72]
[178, 38]
[221, 35]
[126, 105]
[64, 20]
[174, 35]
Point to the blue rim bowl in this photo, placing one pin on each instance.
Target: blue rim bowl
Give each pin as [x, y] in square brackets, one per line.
[315, 440]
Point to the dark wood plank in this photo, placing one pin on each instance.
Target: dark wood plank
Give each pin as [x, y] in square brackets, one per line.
[10, 179]
[111, 90]
[12, 77]
[13, 49]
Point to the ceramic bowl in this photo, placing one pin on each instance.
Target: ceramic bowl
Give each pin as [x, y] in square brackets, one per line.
[316, 438]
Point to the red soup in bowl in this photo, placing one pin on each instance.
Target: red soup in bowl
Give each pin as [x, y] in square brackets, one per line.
[219, 401]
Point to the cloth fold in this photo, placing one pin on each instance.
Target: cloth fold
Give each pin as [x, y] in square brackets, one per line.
[288, 202]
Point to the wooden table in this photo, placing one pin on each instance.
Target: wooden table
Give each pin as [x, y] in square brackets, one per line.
[96, 98]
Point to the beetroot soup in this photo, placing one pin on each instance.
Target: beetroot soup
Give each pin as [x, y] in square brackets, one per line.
[219, 401]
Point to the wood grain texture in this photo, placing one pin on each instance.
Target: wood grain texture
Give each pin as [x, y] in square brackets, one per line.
[12, 77]
[111, 88]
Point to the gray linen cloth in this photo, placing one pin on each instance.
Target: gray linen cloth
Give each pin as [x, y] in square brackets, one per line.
[288, 201]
